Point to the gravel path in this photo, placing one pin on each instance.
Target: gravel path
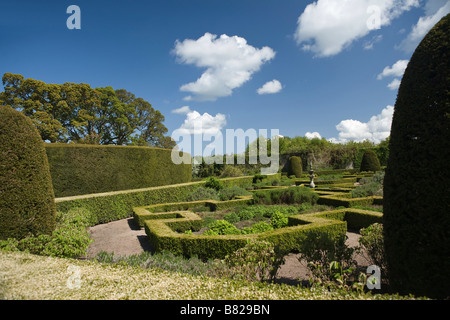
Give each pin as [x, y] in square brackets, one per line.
[124, 237]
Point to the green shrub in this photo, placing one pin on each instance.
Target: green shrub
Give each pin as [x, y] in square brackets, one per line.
[203, 194]
[295, 167]
[278, 220]
[372, 243]
[416, 187]
[232, 192]
[369, 186]
[258, 227]
[256, 261]
[221, 227]
[214, 183]
[324, 253]
[292, 195]
[78, 169]
[231, 171]
[70, 239]
[232, 217]
[27, 201]
[370, 161]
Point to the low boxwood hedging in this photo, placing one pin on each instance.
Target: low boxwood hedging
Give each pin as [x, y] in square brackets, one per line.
[167, 234]
[337, 199]
[112, 206]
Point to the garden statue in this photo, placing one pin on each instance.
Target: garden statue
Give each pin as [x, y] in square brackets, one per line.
[311, 176]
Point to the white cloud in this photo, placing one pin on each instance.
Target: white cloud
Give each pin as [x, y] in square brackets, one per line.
[394, 85]
[435, 10]
[368, 45]
[312, 135]
[182, 110]
[397, 70]
[326, 27]
[377, 129]
[196, 123]
[270, 87]
[229, 63]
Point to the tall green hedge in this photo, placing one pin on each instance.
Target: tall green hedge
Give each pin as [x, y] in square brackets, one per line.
[417, 180]
[295, 166]
[27, 201]
[78, 169]
[370, 161]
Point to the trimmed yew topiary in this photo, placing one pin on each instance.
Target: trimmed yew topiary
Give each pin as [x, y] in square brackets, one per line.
[27, 202]
[370, 161]
[417, 181]
[295, 166]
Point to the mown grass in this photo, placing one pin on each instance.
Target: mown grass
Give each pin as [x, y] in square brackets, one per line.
[31, 277]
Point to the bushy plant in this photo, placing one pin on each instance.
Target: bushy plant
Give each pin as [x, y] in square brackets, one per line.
[203, 194]
[221, 227]
[278, 220]
[232, 217]
[328, 258]
[292, 195]
[256, 261]
[372, 244]
[295, 167]
[70, 239]
[27, 201]
[258, 227]
[372, 186]
[231, 171]
[232, 192]
[214, 183]
[370, 161]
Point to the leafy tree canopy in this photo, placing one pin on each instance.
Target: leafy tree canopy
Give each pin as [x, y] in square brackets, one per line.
[73, 112]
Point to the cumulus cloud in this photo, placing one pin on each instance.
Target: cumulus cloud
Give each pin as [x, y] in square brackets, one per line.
[312, 135]
[377, 129]
[196, 123]
[270, 87]
[326, 27]
[182, 110]
[229, 63]
[435, 10]
[394, 85]
[397, 70]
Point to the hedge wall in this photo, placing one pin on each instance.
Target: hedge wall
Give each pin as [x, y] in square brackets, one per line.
[78, 169]
[116, 205]
[166, 232]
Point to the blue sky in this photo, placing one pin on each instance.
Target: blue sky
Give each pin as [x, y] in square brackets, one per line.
[203, 61]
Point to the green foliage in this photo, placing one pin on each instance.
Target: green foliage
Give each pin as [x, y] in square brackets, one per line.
[230, 193]
[256, 261]
[295, 166]
[372, 186]
[372, 243]
[328, 258]
[221, 227]
[231, 171]
[77, 113]
[258, 227]
[292, 195]
[416, 187]
[370, 161]
[278, 220]
[84, 169]
[203, 194]
[70, 239]
[214, 183]
[27, 201]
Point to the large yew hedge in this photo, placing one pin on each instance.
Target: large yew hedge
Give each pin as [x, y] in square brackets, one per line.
[417, 181]
[79, 169]
[27, 201]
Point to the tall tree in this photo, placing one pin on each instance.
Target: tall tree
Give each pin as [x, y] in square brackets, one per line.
[73, 112]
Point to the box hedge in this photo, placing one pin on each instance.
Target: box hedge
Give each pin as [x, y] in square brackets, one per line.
[116, 205]
[167, 234]
[78, 169]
